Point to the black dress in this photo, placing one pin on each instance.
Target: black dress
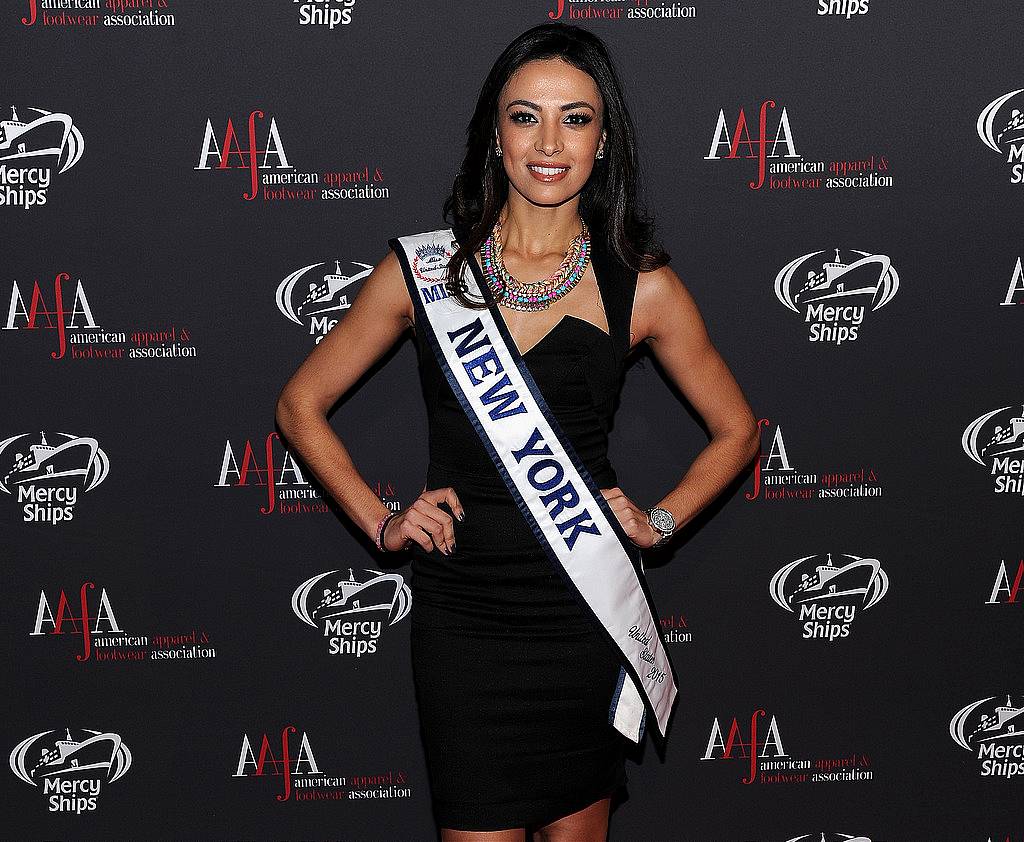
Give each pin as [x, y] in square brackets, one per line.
[513, 680]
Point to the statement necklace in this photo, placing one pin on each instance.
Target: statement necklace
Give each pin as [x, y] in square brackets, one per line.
[534, 295]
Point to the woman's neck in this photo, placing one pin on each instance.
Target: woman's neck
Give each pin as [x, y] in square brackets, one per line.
[533, 232]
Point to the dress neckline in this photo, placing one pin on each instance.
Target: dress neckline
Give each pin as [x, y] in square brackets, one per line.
[499, 318]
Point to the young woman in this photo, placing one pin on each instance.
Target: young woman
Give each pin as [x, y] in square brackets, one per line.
[514, 669]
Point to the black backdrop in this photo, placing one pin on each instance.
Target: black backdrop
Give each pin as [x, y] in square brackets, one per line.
[906, 726]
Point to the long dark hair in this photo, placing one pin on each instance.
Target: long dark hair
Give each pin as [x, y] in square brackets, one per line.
[608, 202]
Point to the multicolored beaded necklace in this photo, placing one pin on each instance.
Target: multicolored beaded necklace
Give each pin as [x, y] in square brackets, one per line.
[534, 295]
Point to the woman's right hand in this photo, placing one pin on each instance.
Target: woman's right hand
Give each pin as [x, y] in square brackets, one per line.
[424, 523]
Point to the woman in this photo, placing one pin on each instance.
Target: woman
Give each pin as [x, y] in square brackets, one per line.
[512, 674]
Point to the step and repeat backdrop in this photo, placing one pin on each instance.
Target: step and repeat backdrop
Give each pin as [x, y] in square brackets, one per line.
[192, 194]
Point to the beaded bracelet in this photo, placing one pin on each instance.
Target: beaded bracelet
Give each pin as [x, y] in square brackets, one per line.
[381, 526]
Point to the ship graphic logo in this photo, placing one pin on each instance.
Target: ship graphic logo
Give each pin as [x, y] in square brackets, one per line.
[45, 134]
[868, 281]
[430, 263]
[330, 595]
[96, 754]
[988, 722]
[997, 133]
[980, 444]
[301, 298]
[75, 460]
[828, 837]
[808, 579]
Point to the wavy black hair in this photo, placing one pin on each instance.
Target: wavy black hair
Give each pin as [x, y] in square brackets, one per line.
[608, 201]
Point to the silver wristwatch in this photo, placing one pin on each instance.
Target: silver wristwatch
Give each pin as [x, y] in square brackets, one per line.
[661, 520]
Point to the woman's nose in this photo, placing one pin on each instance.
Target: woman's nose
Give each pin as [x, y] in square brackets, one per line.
[549, 141]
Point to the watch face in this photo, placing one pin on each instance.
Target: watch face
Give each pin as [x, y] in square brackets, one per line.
[662, 520]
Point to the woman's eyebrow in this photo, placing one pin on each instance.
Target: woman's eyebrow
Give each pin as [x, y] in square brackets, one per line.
[567, 107]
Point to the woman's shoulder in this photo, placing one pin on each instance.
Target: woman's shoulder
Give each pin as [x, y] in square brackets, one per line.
[660, 283]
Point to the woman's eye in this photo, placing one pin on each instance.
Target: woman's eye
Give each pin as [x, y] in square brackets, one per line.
[525, 117]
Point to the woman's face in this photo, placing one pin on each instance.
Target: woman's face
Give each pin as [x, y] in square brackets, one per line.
[549, 130]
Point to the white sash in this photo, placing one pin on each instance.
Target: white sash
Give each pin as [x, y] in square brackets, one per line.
[553, 489]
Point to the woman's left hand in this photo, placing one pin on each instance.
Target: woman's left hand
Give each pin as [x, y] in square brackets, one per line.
[632, 518]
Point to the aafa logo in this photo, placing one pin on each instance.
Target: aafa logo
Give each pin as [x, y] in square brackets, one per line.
[769, 763]
[302, 776]
[759, 147]
[247, 157]
[775, 479]
[103, 639]
[1002, 589]
[304, 763]
[282, 484]
[733, 746]
[55, 316]
[1015, 290]
[78, 623]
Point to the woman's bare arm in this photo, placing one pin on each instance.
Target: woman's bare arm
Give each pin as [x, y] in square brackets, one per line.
[379, 315]
[666, 317]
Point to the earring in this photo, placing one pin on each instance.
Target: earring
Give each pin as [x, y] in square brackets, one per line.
[600, 154]
[497, 151]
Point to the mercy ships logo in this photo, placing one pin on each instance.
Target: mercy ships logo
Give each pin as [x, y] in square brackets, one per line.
[45, 479]
[1004, 133]
[826, 596]
[829, 837]
[71, 772]
[314, 300]
[834, 296]
[998, 446]
[31, 150]
[994, 733]
[329, 13]
[352, 612]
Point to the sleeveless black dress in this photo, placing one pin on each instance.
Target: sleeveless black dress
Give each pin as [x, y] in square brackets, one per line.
[513, 680]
